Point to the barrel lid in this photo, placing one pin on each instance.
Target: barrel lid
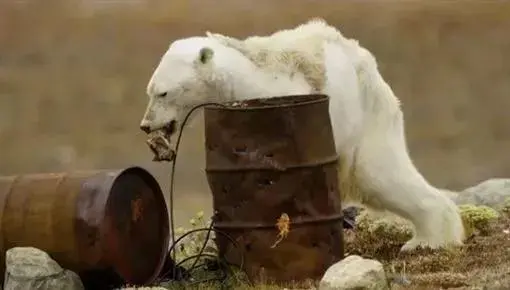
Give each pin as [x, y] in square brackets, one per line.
[136, 226]
[272, 102]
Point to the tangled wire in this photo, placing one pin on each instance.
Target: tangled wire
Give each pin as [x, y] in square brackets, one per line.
[211, 263]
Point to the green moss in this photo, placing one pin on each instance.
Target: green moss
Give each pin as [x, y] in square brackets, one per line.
[477, 218]
[506, 206]
[379, 237]
[388, 226]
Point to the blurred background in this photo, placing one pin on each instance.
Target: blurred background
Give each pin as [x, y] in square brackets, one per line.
[73, 76]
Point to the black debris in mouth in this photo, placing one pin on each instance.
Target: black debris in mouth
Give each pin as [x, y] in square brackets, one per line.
[170, 128]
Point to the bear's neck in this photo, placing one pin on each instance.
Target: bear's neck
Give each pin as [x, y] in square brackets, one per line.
[247, 81]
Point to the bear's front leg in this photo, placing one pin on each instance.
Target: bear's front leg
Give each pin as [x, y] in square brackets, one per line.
[389, 180]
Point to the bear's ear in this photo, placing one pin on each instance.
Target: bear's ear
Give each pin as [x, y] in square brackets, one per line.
[229, 41]
[205, 55]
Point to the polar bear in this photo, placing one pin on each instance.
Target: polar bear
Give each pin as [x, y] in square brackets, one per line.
[376, 171]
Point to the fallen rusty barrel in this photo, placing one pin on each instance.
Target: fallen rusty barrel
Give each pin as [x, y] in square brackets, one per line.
[266, 157]
[89, 221]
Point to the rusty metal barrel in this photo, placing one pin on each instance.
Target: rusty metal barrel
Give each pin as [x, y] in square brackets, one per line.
[115, 221]
[266, 157]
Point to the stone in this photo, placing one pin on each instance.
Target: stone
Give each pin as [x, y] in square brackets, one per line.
[355, 272]
[493, 193]
[31, 268]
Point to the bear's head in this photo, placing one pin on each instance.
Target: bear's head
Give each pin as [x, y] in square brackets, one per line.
[191, 72]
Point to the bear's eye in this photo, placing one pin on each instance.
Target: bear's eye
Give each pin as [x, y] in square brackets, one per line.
[162, 95]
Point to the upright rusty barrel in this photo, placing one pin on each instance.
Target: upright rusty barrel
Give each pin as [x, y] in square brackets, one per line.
[89, 221]
[266, 157]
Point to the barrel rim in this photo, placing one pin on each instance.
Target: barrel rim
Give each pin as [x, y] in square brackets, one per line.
[166, 226]
[312, 99]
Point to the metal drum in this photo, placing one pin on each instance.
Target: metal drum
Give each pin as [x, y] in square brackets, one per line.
[89, 221]
[266, 157]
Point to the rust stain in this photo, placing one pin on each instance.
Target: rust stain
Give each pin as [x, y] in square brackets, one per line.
[283, 226]
[265, 157]
[82, 219]
[137, 209]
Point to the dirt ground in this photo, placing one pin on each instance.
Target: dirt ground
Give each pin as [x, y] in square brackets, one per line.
[73, 77]
[484, 260]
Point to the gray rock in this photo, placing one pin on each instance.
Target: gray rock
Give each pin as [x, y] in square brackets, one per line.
[31, 268]
[355, 272]
[493, 193]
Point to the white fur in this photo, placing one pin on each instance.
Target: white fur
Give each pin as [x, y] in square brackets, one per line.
[376, 170]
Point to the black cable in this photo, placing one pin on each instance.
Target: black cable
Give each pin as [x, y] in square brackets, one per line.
[209, 229]
[172, 173]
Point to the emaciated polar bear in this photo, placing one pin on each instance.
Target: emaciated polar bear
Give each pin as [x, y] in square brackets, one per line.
[376, 170]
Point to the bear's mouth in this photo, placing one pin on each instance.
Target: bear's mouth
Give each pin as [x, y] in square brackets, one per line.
[170, 129]
[159, 142]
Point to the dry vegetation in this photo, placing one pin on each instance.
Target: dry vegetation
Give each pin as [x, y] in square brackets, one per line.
[73, 76]
[484, 260]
